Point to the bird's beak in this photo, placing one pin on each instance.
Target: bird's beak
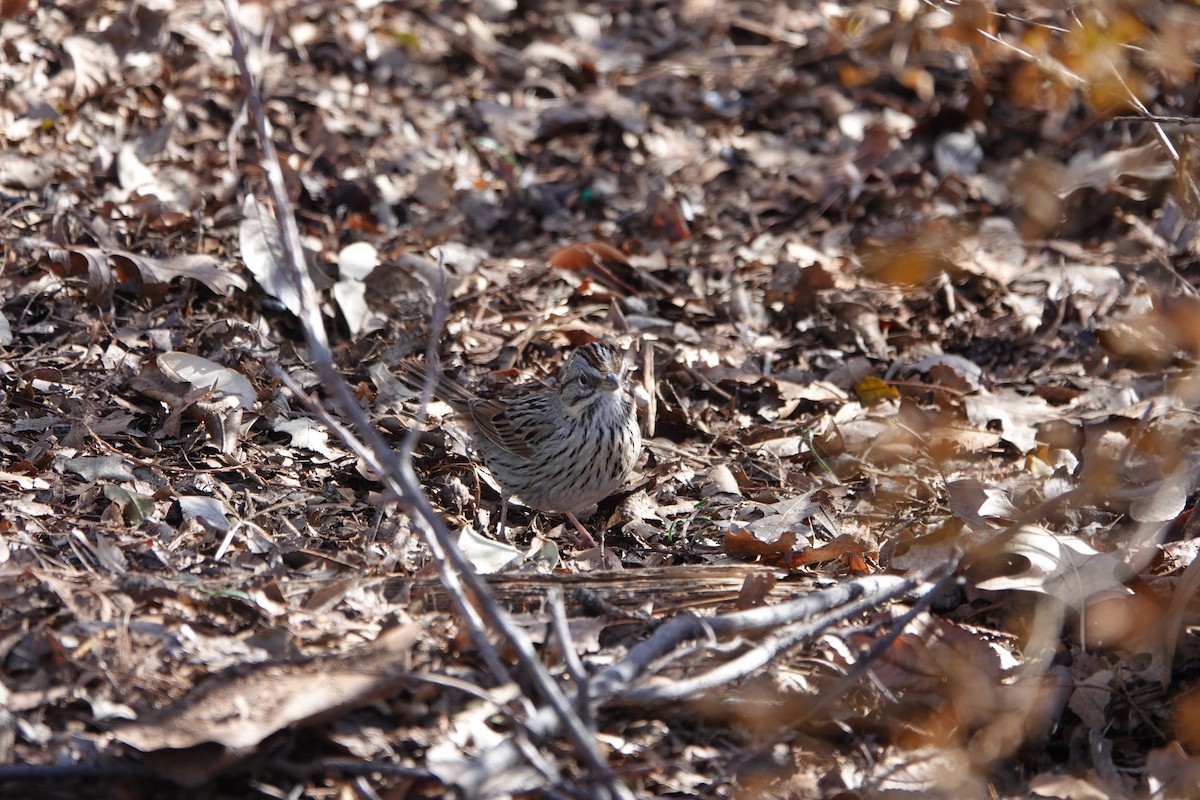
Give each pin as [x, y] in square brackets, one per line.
[610, 383]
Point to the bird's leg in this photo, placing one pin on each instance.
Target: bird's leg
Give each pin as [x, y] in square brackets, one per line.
[503, 518]
[583, 534]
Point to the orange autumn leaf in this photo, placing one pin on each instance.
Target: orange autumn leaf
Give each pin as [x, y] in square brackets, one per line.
[744, 544]
[581, 256]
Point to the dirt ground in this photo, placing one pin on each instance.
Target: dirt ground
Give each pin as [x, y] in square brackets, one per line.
[909, 293]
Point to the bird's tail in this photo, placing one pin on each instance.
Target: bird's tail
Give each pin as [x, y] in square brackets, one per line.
[412, 373]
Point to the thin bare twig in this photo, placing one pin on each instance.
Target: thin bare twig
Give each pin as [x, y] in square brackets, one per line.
[562, 631]
[756, 657]
[617, 679]
[437, 319]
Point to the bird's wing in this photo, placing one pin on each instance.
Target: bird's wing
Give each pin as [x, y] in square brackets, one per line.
[517, 427]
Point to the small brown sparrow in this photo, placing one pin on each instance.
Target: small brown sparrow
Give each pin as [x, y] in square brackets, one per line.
[561, 449]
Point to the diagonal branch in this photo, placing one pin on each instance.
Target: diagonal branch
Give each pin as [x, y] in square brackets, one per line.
[397, 473]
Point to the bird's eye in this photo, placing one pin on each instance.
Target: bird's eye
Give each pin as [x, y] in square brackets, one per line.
[584, 381]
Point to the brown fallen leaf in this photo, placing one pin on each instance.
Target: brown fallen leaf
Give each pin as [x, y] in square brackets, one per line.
[136, 272]
[596, 257]
[744, 544]
[225, 720]
[580, 256]
[755, 590]
[850, 547]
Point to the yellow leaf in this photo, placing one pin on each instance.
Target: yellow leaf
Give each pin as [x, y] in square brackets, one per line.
[872, 391]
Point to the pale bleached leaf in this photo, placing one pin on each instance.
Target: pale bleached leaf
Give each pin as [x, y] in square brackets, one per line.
[262, 252]
[351, 298]
[1105, 171]
[202, 373]
[357, 261]
[1017, 414]
[488, 555]
[977, 504]
[96, 65]
[97, 468]
[307, 434]
[211, 511]
[21, 172]
[1057, 564]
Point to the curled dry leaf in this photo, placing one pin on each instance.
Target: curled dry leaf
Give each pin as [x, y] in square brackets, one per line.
[135, 507]
[936, 662]
[1037, 560]
[10, 9]
[950, 370]
[487, 555]
[719, 480]
[133, 174]
[1090, 699]
[923, 772]
[1090, 787]
[218, 397]
[1106, 171]
[744, 544]
[99, 468]
[200, 268]
[755, 590]
[1174, 773]
[105, 269]
[873, 391]
[357, 261]
[978, 505]
[1017, 414]
[308, 434]
[100, 276]
[587, 254]
[205, 374]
